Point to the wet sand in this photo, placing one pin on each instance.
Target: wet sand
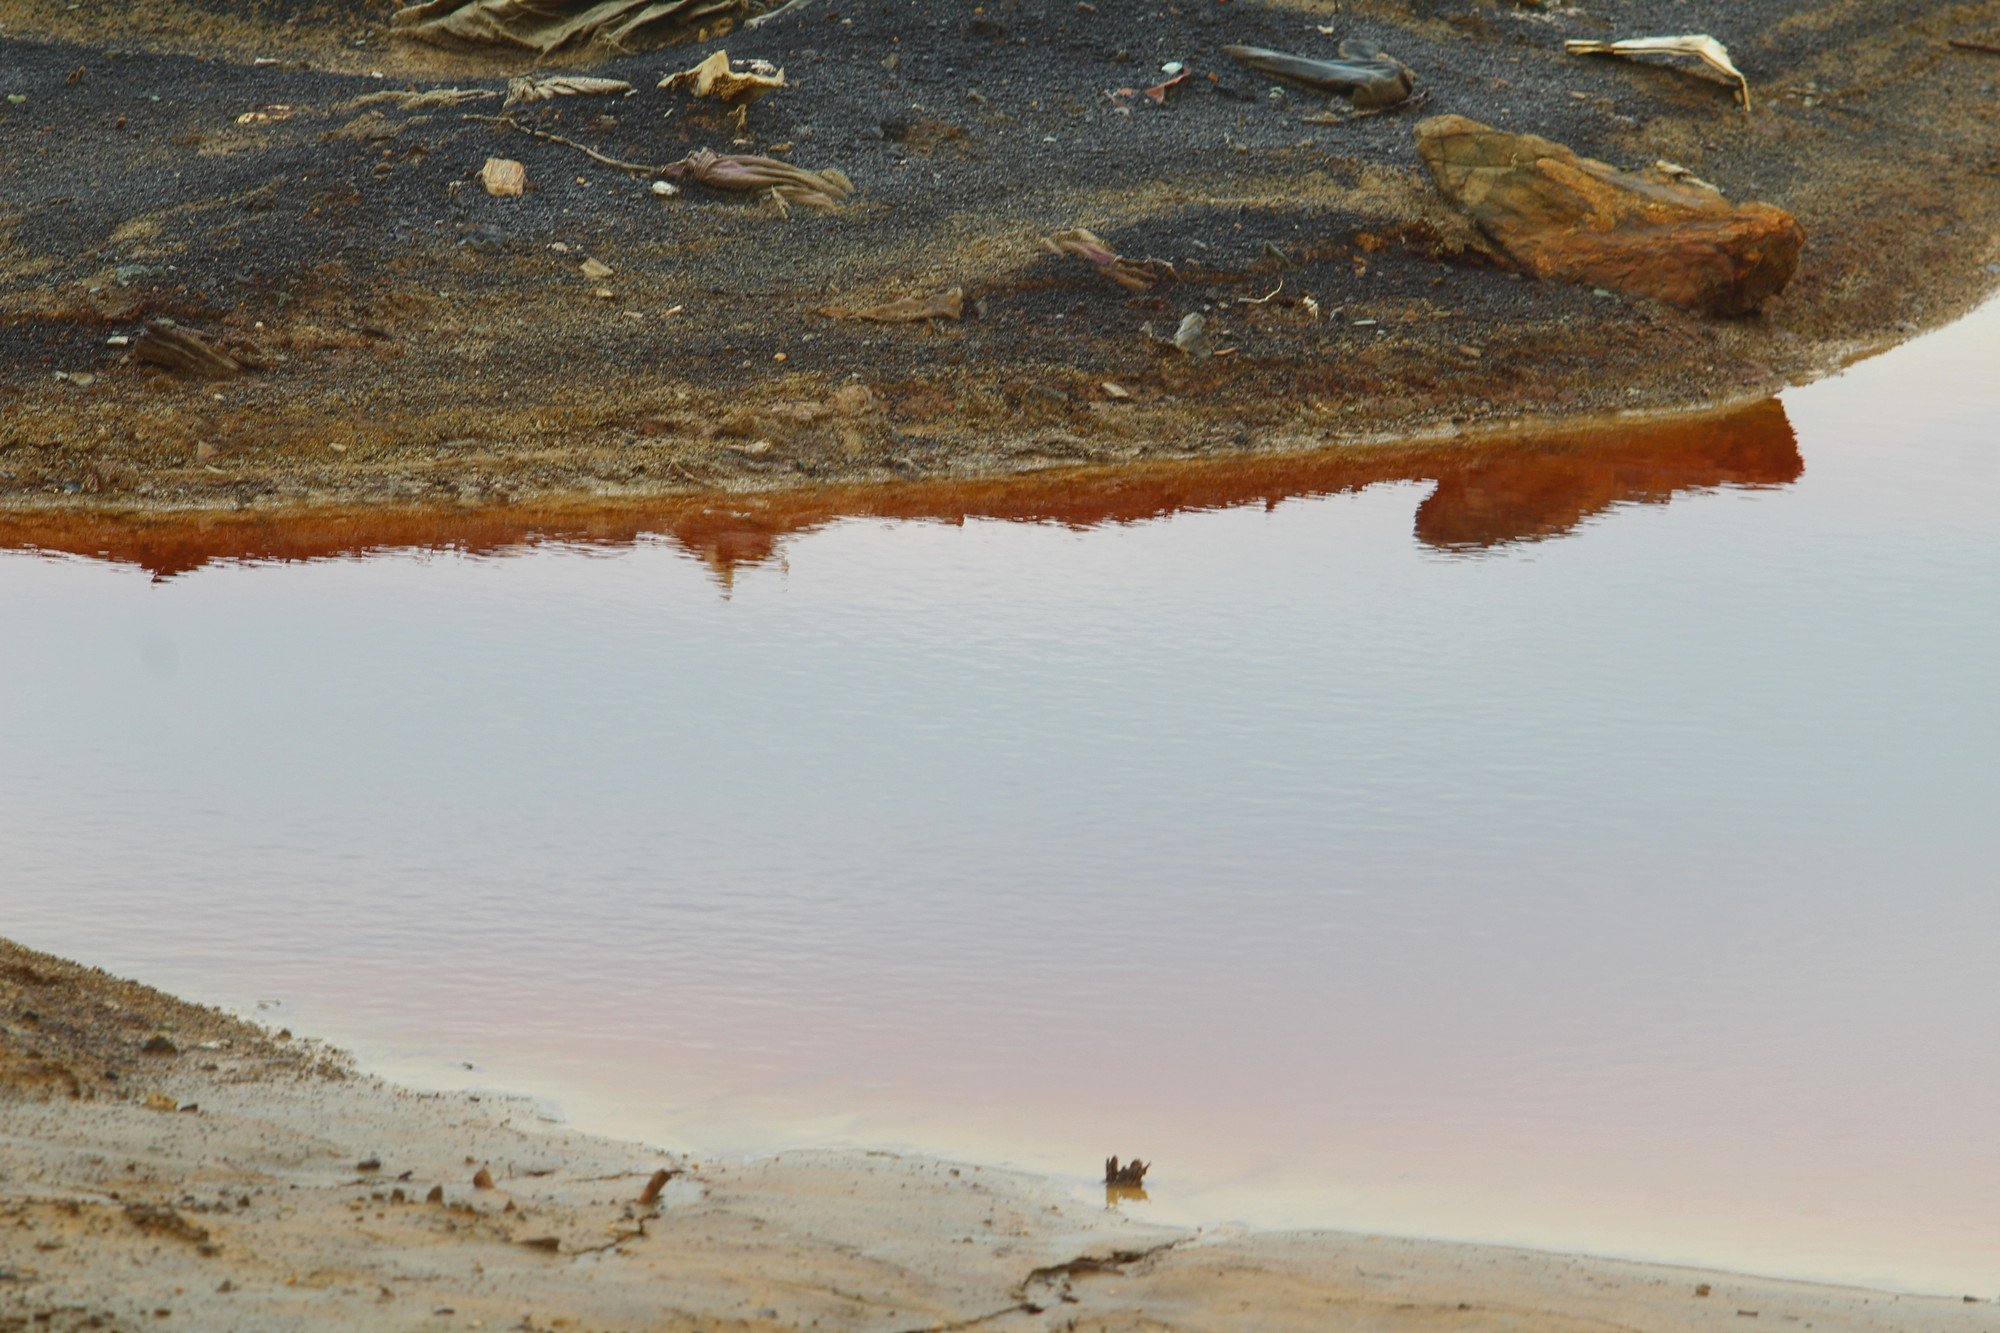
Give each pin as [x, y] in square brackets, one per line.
[162, 1162]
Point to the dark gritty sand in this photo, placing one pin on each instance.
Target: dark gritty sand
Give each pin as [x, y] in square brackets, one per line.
[425, 345]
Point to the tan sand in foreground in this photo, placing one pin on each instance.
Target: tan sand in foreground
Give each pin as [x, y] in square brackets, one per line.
[257, 1202]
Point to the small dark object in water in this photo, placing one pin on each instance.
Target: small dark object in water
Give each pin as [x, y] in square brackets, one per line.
[1365, 74]
[1132, 1173]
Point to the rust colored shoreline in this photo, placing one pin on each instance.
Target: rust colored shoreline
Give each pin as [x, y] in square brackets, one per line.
[1488, 493]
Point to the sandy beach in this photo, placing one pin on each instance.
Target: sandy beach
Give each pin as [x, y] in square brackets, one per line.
[165, 1164]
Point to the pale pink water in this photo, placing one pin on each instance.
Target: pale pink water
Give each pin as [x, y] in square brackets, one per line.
[1631, 890]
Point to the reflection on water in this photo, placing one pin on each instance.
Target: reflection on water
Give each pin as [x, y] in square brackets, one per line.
[1631, 892]
[1486, 495]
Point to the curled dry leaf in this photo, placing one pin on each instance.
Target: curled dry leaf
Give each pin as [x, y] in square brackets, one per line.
[715, 77]
[1699, 45]
[409, 99]
[1132, 275]
[523, 88]
[545, 26]
[823, 189]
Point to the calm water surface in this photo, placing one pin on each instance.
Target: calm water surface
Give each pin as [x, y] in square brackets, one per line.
[1581, 847]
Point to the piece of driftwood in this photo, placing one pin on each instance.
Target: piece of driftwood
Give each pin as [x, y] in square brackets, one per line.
[1699, 45]
[1365, 74]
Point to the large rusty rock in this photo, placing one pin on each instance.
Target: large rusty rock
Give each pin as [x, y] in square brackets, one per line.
[1574, 219]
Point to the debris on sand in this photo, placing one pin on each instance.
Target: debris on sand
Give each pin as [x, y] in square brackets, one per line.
[503, 177]
[1699, 45]
[1365, 74]
[1192, 337]
[1575, 219]
[1132, 275]
[716, 77]
[522, 88]
[1131, 1173]
[949, 304]
[509, 122]
[164, 343]
[651, 1194]
[546, 26]
[824, 189]
[410, 99]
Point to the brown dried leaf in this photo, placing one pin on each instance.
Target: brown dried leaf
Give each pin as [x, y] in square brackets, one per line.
[715, 78]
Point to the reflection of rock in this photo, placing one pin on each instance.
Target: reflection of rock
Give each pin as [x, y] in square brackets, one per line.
[1567, 217]
[1488, 493]
[1510, 496]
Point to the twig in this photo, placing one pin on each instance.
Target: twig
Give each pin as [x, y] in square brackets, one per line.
[761, 19]
[513, 124]
[1962, 44]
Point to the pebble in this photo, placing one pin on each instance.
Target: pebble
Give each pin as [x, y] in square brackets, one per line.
[502, 176]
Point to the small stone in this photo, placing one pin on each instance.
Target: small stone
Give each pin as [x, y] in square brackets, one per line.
[596, 269]
[483, 1179]
[369, 1164]
[1117, 393]
[604, 294]
[665, 189]
[436, 1195]
[502, 176]
[1192, 336]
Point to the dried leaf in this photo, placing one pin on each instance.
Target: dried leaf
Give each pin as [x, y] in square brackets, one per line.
[823, 189]
[1699, 45]
[545, 26]
[408, 99]
[1129, 274]
[522, 88]
[715, 78]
